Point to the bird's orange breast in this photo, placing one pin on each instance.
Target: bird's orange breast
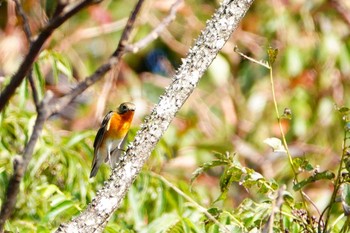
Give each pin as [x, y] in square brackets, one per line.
[119, 124]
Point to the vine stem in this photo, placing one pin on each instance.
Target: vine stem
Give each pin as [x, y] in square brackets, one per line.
[337, 181]
[284, 141]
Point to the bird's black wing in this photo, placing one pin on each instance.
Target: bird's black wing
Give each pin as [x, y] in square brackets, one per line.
[101, 132]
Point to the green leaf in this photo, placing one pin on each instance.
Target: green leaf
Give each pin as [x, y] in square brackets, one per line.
[189, 226]
[77, 139]
[61, 209]
[225, 179]
[176, 228]
[303, 164]
[161, 224]
[229, 175]
[214, 211]
[272, 53]
[288, 198]
[345, 198]
[326, 175]
[205, 167]
[40, 77]
[23, 92]
[344, 110]
[220, 156]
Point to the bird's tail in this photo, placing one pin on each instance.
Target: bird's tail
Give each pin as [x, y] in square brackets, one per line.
[96, 165]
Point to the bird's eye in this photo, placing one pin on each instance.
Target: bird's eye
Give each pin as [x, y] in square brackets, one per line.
[125, 107]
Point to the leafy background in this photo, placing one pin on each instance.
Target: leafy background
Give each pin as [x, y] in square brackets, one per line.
[218, 135]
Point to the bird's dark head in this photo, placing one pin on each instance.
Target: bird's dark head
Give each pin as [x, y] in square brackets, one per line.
[126, 107]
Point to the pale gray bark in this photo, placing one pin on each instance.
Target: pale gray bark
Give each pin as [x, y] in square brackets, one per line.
[200, 56]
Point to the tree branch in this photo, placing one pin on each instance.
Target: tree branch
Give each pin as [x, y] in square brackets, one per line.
[200, 56]
[36, 46]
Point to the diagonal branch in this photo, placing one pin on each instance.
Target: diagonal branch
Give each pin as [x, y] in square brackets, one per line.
[211, 40]
[36, 46]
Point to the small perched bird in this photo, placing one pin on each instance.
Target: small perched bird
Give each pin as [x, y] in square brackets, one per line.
[111, 136]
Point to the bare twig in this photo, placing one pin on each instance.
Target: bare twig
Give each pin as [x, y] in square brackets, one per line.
[200, 56]
[169, 39]
[106, 89]
[276, 206]
[262, 63]
[156, 31]
[28, 33]
[36, 46]
[91, 32]
[311, 202]
[25, 21]
[34, 90]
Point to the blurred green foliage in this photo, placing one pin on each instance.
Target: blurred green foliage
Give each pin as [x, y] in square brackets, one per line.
[218, 135]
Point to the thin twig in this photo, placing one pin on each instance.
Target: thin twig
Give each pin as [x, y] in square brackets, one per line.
[134, 48]
[169, 39]
[193, 202]
[106, 89]
[36, 46]
[276, 205]
[91, 32]
[311, 202]
[25, 21]
[34, 89]
[337, 183]
[262, 63]
[27, 31]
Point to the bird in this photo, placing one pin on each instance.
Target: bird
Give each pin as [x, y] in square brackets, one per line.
[111, 136]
